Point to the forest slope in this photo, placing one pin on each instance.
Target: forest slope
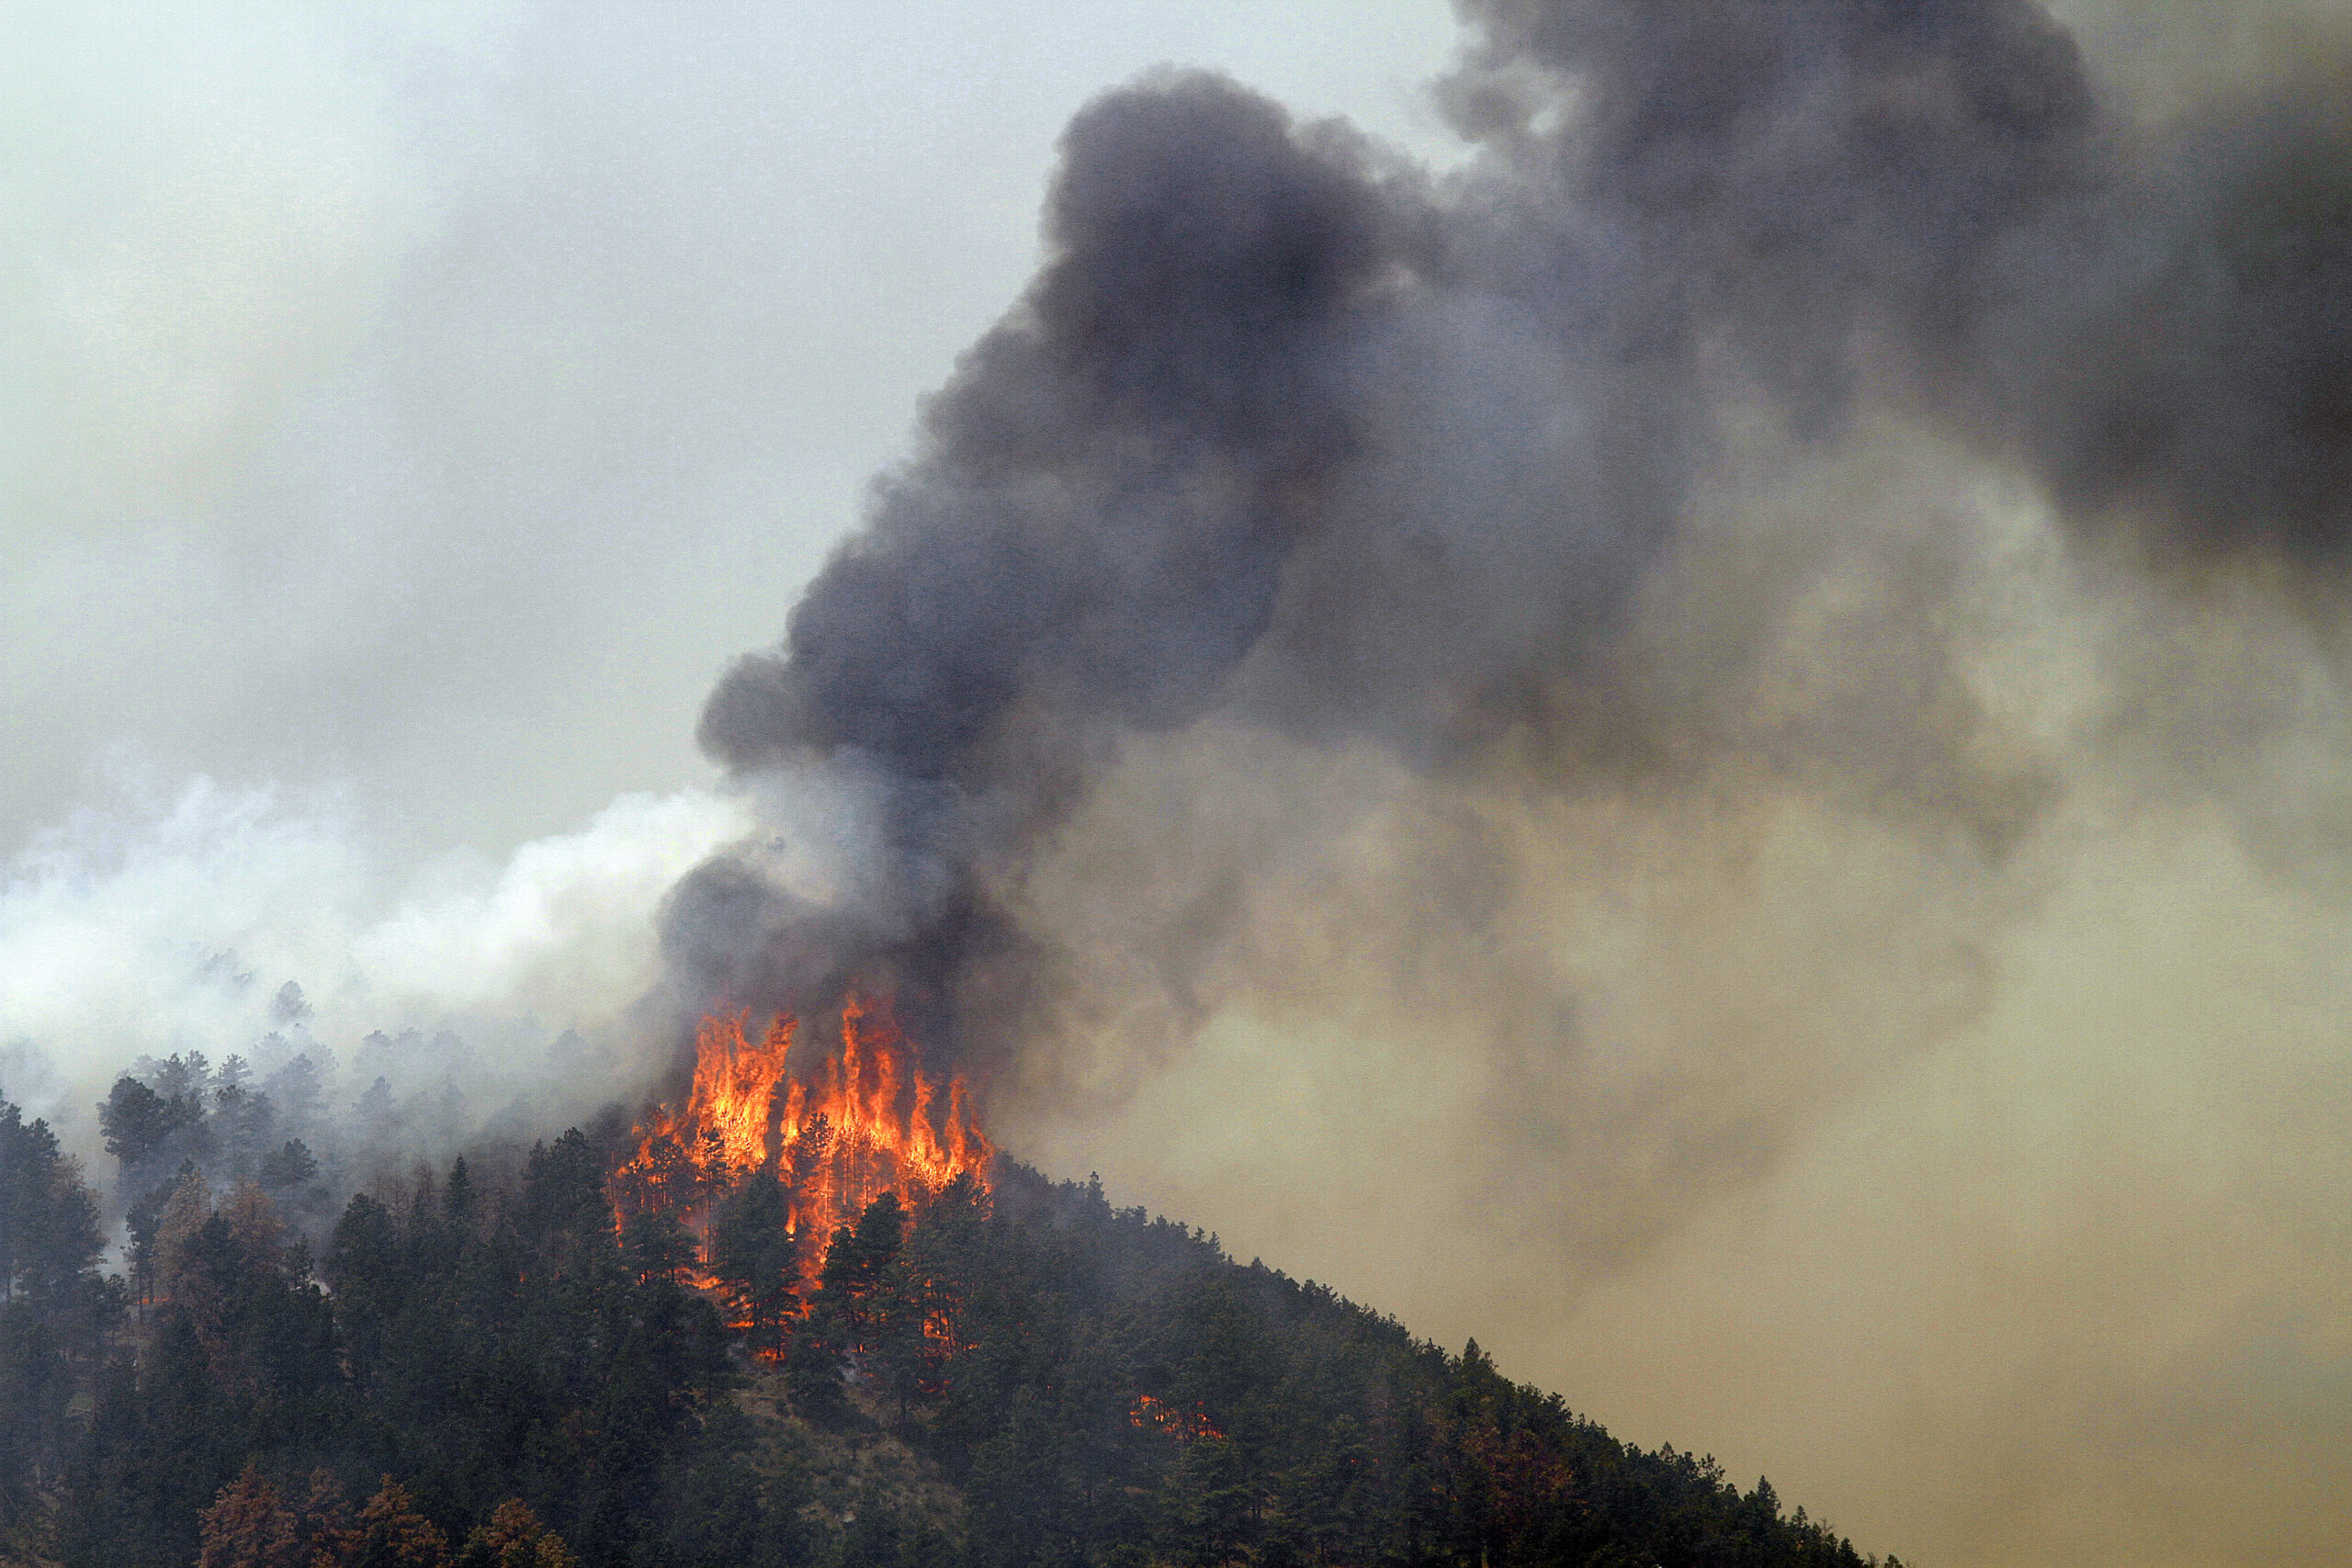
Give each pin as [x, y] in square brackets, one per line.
[1022, 1376]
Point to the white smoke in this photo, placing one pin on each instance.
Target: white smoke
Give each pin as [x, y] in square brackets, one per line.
[154, 927]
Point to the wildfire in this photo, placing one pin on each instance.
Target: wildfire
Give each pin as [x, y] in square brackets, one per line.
[1156, 1416]
[866, 1122]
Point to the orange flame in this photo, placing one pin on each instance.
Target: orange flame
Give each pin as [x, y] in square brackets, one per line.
[1185, 1426]
[838, 1138]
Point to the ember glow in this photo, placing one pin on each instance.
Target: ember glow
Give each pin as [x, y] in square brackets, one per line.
[1157, 1416]
[867, 1121]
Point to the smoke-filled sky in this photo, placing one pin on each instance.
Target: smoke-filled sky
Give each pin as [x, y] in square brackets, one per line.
[1677, 699]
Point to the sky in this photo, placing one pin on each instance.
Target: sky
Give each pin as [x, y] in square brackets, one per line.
[426, 403]
[416, 409]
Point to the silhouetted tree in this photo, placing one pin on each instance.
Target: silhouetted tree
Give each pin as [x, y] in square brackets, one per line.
[753, 1258]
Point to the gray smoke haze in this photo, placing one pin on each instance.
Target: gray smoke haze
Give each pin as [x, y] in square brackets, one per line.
[1562, 700]
[1288, 432]
[427, 401]
[1940, 198]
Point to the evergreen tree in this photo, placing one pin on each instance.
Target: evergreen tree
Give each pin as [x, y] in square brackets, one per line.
[514, 1539]
[658, 1248]
[1019, 1489]
[563, 1194]
[752, 1255]
[290, 1164]
[460, 1202]
[120, 1510]
[189, 1205]
[247, 1527]
[394, 1534]
[1092, 1387]
[375, 1116]
[136, 1121]
[49, 1220]
[1208, 1507]
[35, 1385]
[853, 1288]
[329, 1539]
[143, 1221]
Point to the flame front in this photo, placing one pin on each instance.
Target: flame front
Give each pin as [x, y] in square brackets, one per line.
[865, 1123]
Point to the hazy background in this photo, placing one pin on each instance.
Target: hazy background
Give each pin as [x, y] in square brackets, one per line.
[429, 401]
[411, 412]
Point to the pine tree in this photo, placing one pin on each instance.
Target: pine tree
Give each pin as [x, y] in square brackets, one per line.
[298, 1093]
[252, 1219]
[563, 1193]
[460, 1202]
[1209, 1506]
[34, 1385]
[49, 1221]
[329, 1537]
[136, 1121]
[850, 1286]
[247, 1527]
[515, 1539]
[188, 1207]
[752, 1255]
[658, 1248]
[394, 1534]
[289, 1165]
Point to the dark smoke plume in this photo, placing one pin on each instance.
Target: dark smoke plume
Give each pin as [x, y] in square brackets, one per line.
[1287, 434]
[1092, 536]
[1939, 193]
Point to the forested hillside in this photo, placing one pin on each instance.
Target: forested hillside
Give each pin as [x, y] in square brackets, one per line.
[476, 1369]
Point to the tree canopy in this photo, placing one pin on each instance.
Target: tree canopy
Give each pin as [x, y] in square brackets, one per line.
[997, 1377]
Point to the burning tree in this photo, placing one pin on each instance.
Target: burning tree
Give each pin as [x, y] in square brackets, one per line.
[762, 1166]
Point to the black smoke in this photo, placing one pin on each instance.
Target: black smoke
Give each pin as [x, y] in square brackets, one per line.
[1290, 430]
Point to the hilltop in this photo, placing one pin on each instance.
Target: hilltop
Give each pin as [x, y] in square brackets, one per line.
[1010, 1374]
